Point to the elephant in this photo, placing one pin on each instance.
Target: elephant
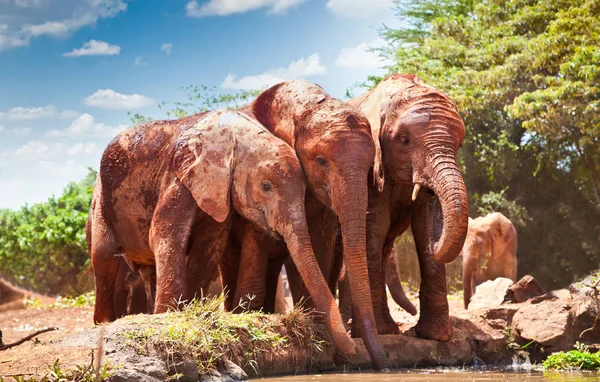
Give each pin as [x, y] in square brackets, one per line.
[321, 129]
[490, 251]
[164, 198]
[416, 182]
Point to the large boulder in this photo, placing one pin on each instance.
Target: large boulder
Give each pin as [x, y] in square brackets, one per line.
[490, 294]
[555, 325]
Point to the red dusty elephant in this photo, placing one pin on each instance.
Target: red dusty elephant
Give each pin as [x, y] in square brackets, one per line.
[417, 132]
[490, 251]
[322, 130]
[164, 197]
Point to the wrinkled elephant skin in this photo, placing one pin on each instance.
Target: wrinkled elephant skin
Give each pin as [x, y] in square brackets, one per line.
[320, 129]
[416, 182]
[164, 200]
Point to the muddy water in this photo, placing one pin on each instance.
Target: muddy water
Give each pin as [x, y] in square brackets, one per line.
[444, 375]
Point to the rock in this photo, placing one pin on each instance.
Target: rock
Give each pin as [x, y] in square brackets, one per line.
[583, 314]
[523, 290]
[548, 323]
[231, 372]
[490, 293]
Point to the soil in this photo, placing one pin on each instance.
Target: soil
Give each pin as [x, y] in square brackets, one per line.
[31, 358]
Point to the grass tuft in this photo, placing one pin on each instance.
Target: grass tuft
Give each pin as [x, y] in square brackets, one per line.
[203, 332]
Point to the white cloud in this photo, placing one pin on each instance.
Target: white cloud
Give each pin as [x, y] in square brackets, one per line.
[82, 148]
[359, 56]
[228, 7]
[139, 61]
[110, 99]
[66, 114]
[2, 129]
[86, 125]
[38, 149]
[25, 20]
[304, 67]
[94, 48]
[28, 113]
[359, 8]
[21, 131]
[167, 47]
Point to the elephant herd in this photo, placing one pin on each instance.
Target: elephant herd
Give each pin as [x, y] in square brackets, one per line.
[296, 177]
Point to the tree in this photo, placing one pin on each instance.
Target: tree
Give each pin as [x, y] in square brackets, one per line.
[524, 75]
[43, 246]
[201, 98]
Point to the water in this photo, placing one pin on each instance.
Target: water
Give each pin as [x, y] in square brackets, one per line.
[422, 375]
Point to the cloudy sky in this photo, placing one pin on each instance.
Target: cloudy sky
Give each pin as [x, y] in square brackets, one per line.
[70, 70]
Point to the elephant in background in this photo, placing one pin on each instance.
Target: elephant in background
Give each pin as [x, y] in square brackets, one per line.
[490, 251]
[416, 182]
[321, 129]
[164, 198]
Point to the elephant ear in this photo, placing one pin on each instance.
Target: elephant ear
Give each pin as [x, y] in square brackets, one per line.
[203, 162]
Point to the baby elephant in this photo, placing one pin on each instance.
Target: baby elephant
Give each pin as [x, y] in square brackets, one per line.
[490, 251]
[164, 197]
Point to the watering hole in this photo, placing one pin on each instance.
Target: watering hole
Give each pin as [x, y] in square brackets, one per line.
[445, 375]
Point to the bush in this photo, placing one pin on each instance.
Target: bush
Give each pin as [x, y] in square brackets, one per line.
[43, 246]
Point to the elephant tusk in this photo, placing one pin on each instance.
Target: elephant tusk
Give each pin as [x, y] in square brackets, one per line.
[416, 191]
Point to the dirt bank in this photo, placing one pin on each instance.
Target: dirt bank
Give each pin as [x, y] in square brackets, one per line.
[206, 340]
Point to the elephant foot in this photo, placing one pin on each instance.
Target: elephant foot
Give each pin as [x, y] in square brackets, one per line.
[434, 328]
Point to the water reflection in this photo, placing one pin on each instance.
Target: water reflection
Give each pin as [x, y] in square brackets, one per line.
[445, 375]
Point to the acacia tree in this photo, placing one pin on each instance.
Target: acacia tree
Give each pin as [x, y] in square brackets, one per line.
[524, 75]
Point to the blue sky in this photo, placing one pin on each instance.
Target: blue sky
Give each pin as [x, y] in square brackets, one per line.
[70, 70]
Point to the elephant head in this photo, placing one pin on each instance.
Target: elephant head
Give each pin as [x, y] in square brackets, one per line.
[335, 147]
[417, 132]
[227, 160]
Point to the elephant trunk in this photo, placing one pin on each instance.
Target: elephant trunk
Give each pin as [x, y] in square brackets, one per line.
[298, 242]
[448, 185]
[351, 207]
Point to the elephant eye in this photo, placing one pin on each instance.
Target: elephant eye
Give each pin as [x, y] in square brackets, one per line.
[404, 139]
[321, 161]
[266, 186]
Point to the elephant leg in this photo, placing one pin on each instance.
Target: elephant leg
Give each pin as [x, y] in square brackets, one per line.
[229, 267]
[271, 284]
[251, 281]
[148, 276]
[434, 320]
[105, 265]
[392, 279]
[378, 224]
[121, 290]
[137, 301]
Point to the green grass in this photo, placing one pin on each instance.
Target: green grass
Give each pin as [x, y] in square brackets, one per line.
[81, 301]
[578, 359]
[203, 332]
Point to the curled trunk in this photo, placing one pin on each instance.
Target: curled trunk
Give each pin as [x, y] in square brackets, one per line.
[448, 185]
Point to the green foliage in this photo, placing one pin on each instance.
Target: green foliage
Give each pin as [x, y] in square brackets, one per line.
[43, 246]
[578, 359]
[199, 99]
[524, 75]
